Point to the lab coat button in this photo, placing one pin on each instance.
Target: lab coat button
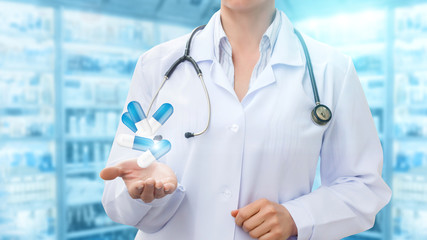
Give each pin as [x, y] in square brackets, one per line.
[227, 193]
[234, 128]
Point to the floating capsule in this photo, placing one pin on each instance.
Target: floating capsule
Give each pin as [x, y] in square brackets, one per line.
[160, 117]
[135, 142]
[127, 120]
[157, 151]
[139, 118]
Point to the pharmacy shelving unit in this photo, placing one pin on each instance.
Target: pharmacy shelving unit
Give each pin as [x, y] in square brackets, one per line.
[98, 60]
[97, 63]
[27, 123]
[64, 77]
[409, 209]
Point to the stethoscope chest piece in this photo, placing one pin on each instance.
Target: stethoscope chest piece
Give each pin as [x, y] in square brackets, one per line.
[321, 114]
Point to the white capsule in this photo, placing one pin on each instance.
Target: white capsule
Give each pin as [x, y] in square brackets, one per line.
[134, 142]
[160, 117]
[138, 116]
[157, 151]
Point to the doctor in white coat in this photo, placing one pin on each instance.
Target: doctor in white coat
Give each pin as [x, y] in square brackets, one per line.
[251, 174]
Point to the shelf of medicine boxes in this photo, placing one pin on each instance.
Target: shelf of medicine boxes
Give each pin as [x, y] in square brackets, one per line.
[90, 219]
[26, 54]
[96, 77]
[98, 231]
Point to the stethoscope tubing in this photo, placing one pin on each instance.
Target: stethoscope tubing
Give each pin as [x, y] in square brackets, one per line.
[187, 57]
[309, 66]
[169, 72]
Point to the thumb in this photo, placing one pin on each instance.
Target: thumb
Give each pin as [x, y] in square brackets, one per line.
[110, 173]
[234, 213]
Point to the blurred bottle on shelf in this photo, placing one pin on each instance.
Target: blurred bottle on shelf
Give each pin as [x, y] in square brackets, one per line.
[411, 21]
[346, 29]
[28, 191]
[108, 30]
[410, 113]
[30, 20]
[85, 184]
[87, 216]
[92, 122]
[129, 233]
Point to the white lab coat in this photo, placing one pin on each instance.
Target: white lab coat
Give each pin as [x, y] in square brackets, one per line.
[263, 147]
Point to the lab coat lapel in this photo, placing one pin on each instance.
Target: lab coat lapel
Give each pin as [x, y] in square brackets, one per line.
[203, 52]
[288, 49]
[264, 79]
[219, 78]
[287, 52]
[202, 48]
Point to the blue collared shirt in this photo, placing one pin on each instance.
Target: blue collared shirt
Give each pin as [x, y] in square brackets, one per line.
[223, 50]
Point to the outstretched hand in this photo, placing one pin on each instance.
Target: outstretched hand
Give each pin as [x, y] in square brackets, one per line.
[147, 184]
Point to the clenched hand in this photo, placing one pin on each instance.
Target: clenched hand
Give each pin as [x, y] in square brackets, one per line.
[265, 220]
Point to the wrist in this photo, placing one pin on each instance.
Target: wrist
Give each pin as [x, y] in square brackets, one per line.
[294, 229]
[290, 220]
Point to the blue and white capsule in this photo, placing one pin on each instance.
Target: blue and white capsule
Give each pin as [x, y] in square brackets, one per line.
[158, 150]
[160, 117]
[127, 120]
[135, 142]
[140, 120]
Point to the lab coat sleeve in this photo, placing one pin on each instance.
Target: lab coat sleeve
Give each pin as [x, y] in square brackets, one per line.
[119, 206]
[352, 190]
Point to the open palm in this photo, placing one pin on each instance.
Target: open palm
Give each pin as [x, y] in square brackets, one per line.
[147, 184]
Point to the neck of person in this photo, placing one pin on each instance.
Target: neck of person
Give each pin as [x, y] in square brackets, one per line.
[245, 28]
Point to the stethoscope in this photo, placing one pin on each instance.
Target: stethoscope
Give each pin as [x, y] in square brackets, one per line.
[320, 115]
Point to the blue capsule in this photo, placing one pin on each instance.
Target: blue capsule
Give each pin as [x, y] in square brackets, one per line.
[163, 113]
[136, 112]
[135, 142]
[157, 151]
[127, 120]
[138, 117]
[160, 148]
[142, 144]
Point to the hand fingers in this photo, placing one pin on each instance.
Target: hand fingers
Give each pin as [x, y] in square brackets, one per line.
[110, 173]
[260, 230]
[169, 185]
[159, 191]
[148, 191]
[234, 213]
[253, 222]
[135, 189]
[247, 212]
[268, 236]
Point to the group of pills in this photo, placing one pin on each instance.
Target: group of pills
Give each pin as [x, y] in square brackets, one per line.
[145, 138]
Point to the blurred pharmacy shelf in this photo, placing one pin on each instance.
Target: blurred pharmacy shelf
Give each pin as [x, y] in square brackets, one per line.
[27, 123]
[63, 83]
[97, 64]
[65, 70]
[409, 212]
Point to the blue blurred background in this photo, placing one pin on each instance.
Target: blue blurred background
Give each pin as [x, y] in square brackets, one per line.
[65, 69]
